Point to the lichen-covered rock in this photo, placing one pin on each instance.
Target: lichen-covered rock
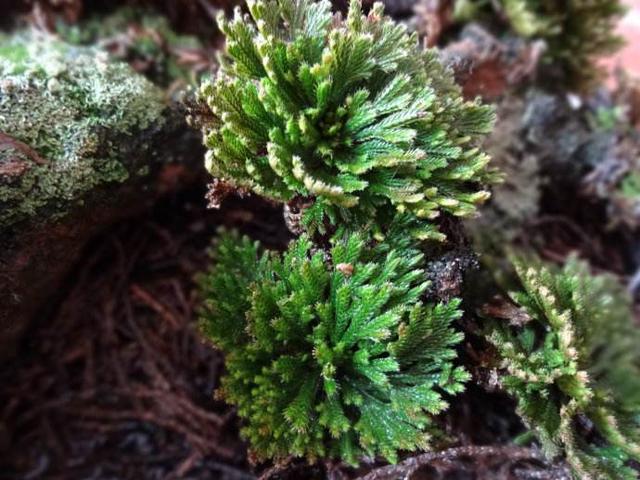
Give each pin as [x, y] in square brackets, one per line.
[84, 141]
[67, 106]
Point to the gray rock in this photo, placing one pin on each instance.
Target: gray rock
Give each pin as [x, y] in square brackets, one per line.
[84, 141]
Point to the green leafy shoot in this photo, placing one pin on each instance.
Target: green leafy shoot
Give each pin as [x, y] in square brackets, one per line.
[575, 365]
[331, 354]
[348, 113]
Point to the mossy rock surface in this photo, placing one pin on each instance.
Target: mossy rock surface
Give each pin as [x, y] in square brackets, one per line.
[85, 141]
[68, 114]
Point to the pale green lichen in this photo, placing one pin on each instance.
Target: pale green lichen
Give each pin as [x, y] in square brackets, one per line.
[77, 110]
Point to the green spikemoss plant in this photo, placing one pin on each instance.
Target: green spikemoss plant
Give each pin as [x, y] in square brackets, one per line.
[330, 353]
[574, 368]
[349, 115]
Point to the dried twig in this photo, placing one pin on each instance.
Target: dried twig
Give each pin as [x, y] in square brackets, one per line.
[406, 468]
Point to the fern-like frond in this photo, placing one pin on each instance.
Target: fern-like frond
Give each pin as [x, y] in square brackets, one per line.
[577, 358]
[331, 354]
[350, 113]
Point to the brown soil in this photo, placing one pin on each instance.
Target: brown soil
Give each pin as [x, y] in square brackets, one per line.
[114, 381]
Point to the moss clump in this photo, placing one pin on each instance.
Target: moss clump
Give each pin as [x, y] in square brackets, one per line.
[575, 365]
[331, 353]
[349, 115]
[74, 109]
[140, 36]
